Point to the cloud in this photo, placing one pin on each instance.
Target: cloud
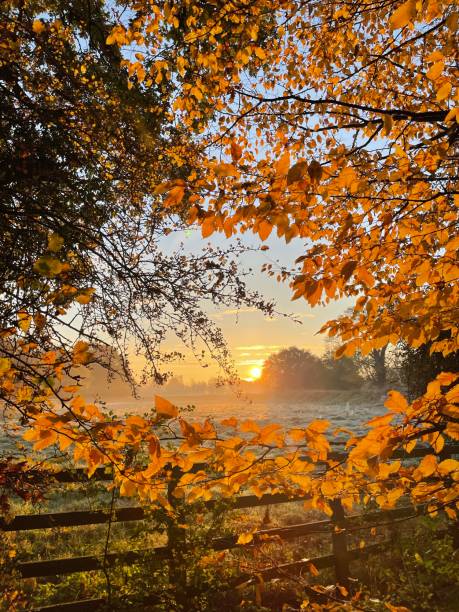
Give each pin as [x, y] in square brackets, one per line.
[258, 347]
[251, 362]
[295, 316]
[234, 311]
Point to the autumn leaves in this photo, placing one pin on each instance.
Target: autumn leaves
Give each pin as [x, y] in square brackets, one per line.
[330, 124]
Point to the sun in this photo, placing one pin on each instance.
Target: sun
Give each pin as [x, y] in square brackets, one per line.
[255, 373]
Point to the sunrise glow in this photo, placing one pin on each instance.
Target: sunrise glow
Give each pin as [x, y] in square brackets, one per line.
[255, 373]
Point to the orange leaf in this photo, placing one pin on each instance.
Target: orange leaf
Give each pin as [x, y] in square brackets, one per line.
[264, 229]
[435, 71]
[426, 467]
[396, 402]
[381, 420]
[38, 26]
[348, 269]
[81, 354]
[207, 227]
[165, 408]
[175, 196]
[403, 15]
[313, 569]
[282, 165]
[444, 91]
[224, 170]
[236, 151]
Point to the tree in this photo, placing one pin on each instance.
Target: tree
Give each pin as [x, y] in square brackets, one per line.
[331, 122]
[82, 151]
[339, 127]
[334, 123]
[293, 369]
[341, 373]
[417, 367]
[84, 273]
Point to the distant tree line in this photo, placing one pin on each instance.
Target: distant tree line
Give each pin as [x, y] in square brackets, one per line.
[295, 368]
[411, 368]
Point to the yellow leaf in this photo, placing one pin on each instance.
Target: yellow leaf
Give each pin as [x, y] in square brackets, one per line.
[46, 438]
[446, 378]
[154, 448]
[366, 278]
[318, 425]
[207, 227]
[396, 608]
[5, 365]
[161, 188]
[165, 408]
[64, 442]
[297, 435]
[451, 513]
[438, 442]
[403, 15]
[381, 420]
[39, 320]
[136, 421]
[394, 495]
[250, 426]
[24, 320]
[245, 538]
[452, 115]
[128, 487]
[329, 488]
[388, 123]
[197, 93]
[181, 63]
[315, 171]
[348, 269]
[447, 466]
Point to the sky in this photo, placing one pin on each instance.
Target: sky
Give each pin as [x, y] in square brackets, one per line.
[252, 336]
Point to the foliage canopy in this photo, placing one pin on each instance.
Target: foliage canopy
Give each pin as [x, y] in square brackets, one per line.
[330, 122]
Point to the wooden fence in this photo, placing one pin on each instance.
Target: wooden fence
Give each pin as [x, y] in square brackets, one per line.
[338, 527]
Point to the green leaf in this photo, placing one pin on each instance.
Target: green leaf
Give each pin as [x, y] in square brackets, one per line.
[48, 266]
[55, 243]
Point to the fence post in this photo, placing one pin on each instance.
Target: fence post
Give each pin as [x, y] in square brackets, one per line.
[176, 542]
[339, 543]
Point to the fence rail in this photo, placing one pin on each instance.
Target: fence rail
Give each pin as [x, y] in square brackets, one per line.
[338, 526]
